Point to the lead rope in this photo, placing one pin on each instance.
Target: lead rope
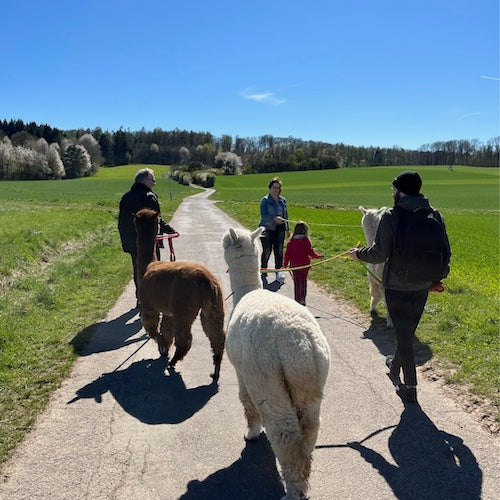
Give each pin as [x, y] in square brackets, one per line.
[172, 253]
[169, 237]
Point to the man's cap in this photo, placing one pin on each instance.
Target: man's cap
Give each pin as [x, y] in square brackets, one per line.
[408, 182]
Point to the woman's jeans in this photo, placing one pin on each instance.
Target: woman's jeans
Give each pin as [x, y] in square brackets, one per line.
[272, 241]
[405, 309]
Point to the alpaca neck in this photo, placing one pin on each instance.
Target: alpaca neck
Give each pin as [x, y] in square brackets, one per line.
[242, 291]
[244, 279]
[146, 253]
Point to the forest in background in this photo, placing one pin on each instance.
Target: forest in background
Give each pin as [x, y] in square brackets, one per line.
[35, 151]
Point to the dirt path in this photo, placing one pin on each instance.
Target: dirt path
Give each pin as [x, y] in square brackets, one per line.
[123, 427]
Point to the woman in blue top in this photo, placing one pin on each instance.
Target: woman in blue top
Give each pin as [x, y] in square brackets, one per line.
[274, 217]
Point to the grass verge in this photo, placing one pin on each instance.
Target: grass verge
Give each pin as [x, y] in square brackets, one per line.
[61, 270]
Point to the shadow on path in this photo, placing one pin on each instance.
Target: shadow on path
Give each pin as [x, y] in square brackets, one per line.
[150, 392]
[253, 476]
[384, 339]
[108, 336]
[430, 463]
[272, 286]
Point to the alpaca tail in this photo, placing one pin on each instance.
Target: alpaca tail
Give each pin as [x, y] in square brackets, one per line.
[212, 321]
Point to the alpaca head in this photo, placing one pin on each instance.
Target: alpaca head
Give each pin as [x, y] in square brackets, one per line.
[370, 221]
[242, 254]
[146, 225]
[241, 245]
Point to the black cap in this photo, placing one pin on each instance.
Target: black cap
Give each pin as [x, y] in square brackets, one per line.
[408, 182]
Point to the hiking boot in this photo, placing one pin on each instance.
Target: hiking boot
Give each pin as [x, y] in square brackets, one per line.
[394, 377]
[407, 393]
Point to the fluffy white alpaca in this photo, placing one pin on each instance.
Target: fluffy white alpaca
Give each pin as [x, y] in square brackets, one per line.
[281, 358]
[369, 222]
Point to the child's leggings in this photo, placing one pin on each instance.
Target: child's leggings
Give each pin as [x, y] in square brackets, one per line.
[300, 285]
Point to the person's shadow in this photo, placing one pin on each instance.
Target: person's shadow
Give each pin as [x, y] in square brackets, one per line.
[150, 392]
[253, 476]
[385, 340]
[430, 463]
[272, 286]
[108, 336]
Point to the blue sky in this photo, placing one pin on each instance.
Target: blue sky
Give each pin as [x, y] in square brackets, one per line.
[382, 73]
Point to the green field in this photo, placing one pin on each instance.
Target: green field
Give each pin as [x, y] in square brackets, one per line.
[460, 326]
[62, 268]
[464, 188]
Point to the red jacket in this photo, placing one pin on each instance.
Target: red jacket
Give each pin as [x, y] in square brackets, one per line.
[299, 252]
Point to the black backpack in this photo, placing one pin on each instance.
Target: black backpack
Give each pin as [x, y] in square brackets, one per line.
[421, 247]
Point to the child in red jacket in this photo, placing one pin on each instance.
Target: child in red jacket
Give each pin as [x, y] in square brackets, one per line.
[299, 252]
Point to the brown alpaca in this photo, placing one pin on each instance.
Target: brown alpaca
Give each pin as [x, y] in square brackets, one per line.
[171, 295]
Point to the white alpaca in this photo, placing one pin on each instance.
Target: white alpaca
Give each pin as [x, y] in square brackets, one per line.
[370, 221]
[281, 358]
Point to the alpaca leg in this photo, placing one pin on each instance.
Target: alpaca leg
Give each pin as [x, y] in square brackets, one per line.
[286, 438]
[212, 322]
[309, 423]
[251, 414]
[389, 320]
[150, 321]
[283, 428]
[183, 338]
[166, 338]
[375, 294]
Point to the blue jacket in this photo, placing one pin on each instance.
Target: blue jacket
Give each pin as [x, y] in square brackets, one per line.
[269, 209]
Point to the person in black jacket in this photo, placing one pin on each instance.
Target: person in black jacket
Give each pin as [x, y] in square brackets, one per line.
[405, 298]
[141, 195]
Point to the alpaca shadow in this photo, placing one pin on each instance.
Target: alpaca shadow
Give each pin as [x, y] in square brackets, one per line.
[385, 340]
[108, 336]
[430, 463]
[253, 476]
[150, 392]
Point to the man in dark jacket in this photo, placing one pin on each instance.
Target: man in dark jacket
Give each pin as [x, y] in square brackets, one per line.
[141, 195]
[405, 299]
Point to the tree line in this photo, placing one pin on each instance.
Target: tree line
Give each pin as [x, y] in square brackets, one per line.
[36, 151]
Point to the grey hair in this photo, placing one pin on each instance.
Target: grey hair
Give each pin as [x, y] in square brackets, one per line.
[143, 174]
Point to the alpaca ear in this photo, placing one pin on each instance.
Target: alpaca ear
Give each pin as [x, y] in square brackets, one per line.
[257, 233]
[363, 209]
[233, 234]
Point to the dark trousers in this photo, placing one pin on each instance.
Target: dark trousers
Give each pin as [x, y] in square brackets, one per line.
[133, 256]
[300, 285]
[272, 241]
[405, 309]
